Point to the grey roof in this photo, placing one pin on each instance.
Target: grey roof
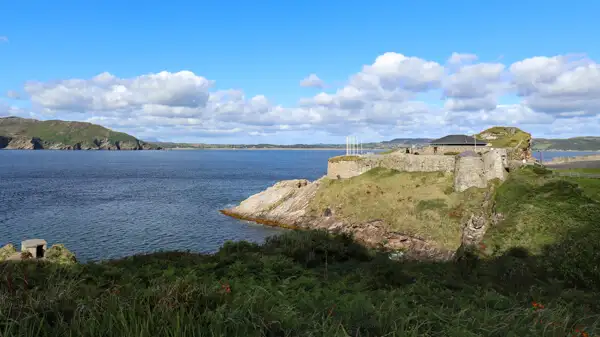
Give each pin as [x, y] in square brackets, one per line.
[458, 140]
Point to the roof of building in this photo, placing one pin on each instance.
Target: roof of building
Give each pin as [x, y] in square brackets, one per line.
[458, 140]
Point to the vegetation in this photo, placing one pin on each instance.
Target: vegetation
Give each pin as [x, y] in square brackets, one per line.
[53, 132]
[450, 153]
[506, 137]
[420, 204]
[343, 158]
[542, 209]
[298, 284]
[536, 274]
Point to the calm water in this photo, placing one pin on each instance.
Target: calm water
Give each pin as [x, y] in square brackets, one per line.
[105, 204]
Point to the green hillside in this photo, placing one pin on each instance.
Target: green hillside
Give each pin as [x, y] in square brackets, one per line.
[569, 144]
[20, 133]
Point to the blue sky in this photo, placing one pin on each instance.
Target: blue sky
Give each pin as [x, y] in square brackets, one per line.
[268, 47]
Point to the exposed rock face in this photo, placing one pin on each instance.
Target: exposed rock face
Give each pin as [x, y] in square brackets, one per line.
[285, 204]
[25, 143]
[474, 229]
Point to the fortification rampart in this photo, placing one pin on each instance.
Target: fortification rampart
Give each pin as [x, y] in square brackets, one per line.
[454, 149]
[397, 161]
[470, 169]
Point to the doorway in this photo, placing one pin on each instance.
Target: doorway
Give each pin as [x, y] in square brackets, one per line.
[39, 251]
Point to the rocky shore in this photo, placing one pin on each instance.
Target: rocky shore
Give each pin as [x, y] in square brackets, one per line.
[286, 204]
[34, 143]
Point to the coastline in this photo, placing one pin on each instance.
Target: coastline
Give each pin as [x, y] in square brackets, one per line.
[255, 149]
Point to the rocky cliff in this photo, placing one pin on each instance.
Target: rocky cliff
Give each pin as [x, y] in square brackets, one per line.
[30, 134]
[286, 204]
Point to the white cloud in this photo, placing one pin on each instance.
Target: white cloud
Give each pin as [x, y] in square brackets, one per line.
[474, 87]
[312, 81]
[560, 85]
[458, 58]
[386, 99]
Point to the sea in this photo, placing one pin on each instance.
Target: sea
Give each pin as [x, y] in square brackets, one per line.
[110, 204]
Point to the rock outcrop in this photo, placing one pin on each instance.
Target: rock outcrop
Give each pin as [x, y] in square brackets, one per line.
[286, 204]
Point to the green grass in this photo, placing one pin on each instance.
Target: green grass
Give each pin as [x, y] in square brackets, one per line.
[507, 137]
[420, 204]
[344, 158]
[541, 211]
[298, 284]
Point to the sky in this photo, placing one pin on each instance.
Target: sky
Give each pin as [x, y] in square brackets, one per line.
[306, 71]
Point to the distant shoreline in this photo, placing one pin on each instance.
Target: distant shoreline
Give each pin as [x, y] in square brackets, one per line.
[254, 149]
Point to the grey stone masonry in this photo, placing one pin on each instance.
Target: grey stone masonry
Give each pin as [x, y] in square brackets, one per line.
[37, 247]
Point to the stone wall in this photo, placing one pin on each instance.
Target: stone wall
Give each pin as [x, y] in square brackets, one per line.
[469, 172]
[470, 169]
[440, 150]
[347, 169]
[495, 163]
[397, 161]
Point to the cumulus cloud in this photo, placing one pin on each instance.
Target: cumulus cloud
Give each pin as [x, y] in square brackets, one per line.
[389, 98]
[560, 85]
[312, 81]
[474, 87]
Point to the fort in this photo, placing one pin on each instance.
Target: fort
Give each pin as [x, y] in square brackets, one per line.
[470, 169]
[472, 162]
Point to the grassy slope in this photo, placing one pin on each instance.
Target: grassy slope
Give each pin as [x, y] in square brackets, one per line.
[314, 284]
[420, 204]
[68, 133]
[506, 138]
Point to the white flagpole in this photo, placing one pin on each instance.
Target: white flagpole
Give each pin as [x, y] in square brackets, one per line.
[346, 145]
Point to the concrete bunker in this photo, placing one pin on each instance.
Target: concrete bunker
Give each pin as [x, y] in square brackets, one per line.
[36, 247]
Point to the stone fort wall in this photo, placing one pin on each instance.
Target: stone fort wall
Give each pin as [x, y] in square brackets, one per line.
[442, 149]
[469, 171]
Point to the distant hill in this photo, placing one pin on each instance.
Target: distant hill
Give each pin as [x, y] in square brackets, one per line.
[31, 134]
[569, 144]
